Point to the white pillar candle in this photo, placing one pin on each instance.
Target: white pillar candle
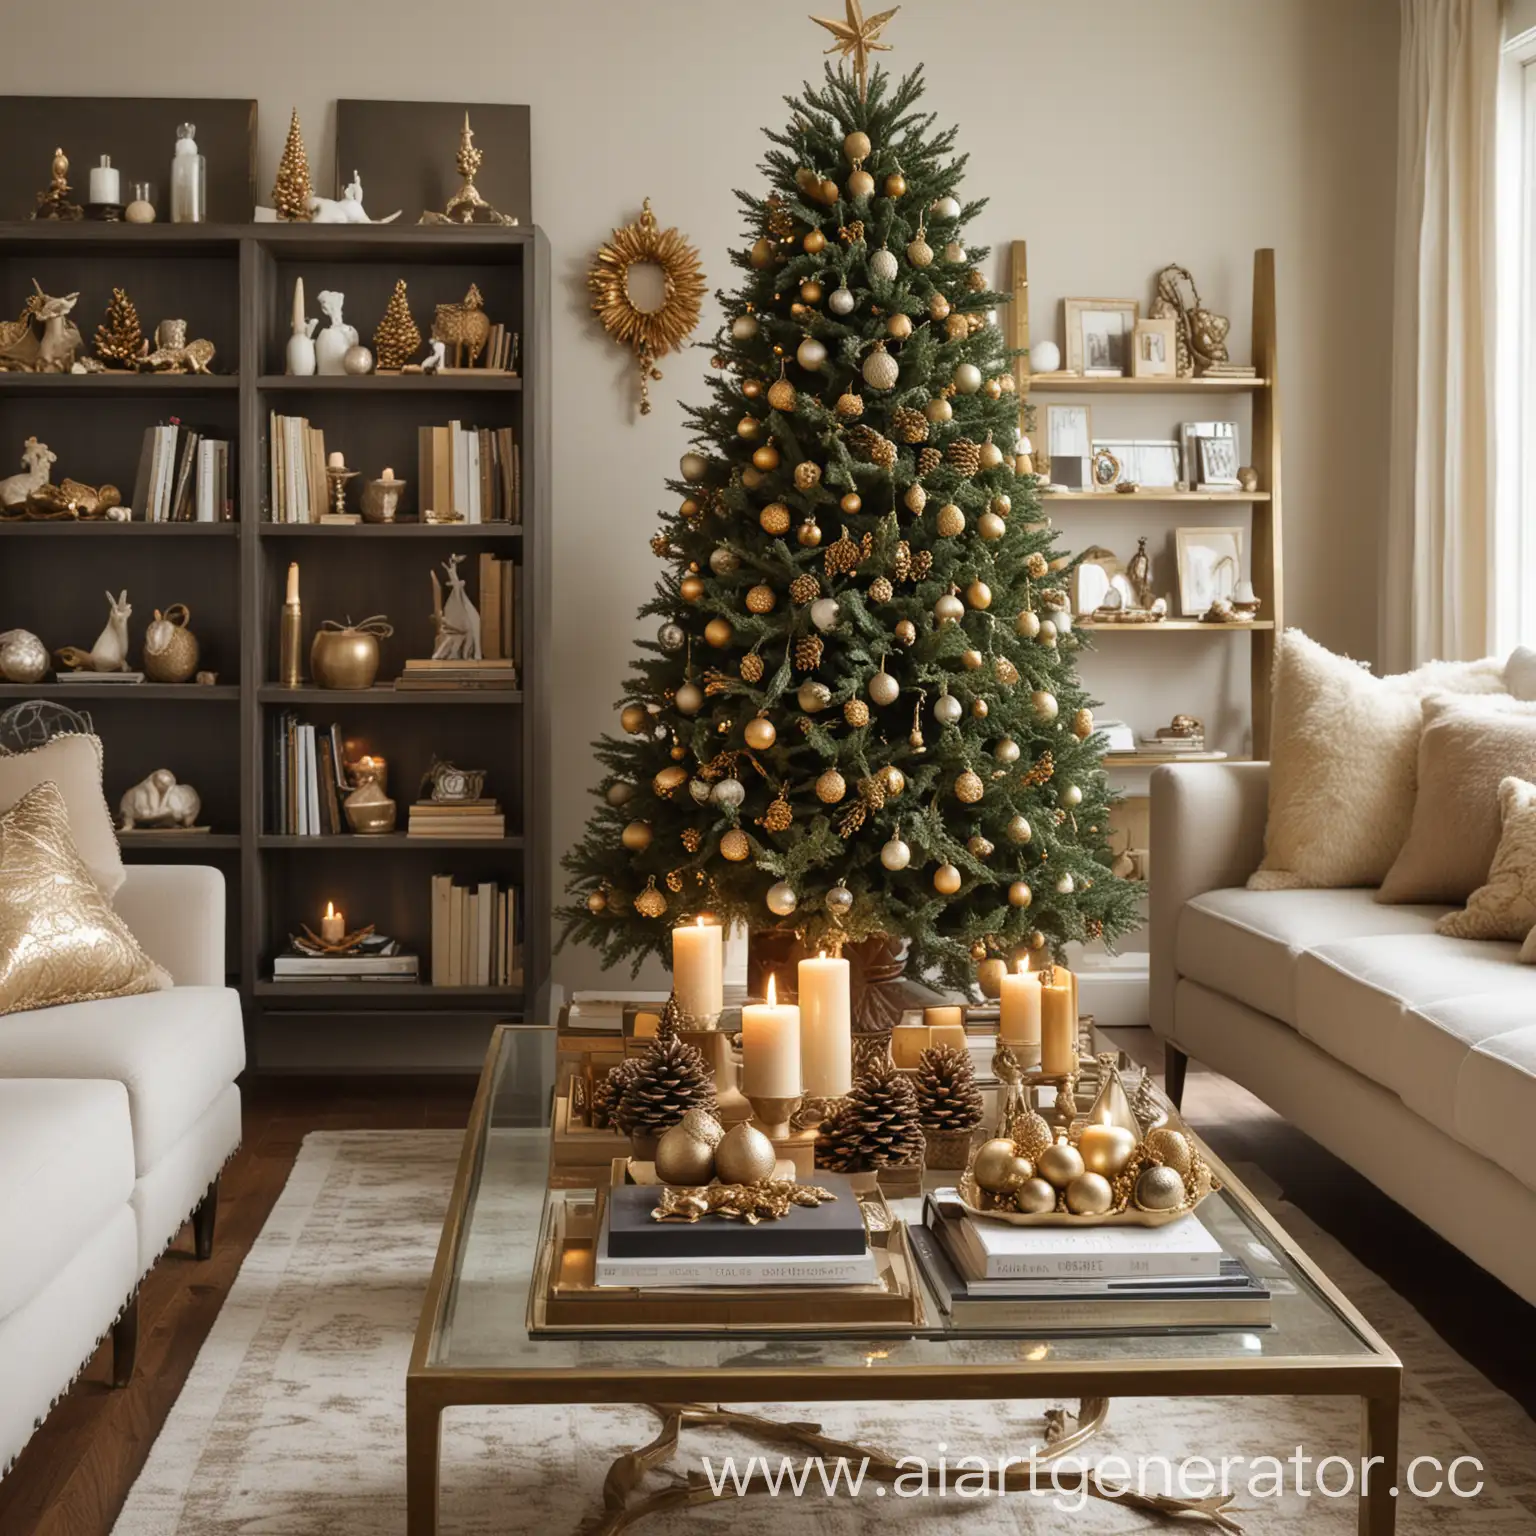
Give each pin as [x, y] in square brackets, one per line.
[826, 1028]
[1019, 1017]
[333, 926]
[770, 1049]
[1058, 1025]
[698, 968]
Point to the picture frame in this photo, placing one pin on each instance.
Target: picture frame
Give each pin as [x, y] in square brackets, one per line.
[1190, 435]
[1154, 349]
[1069, 445]
[1099, 334]
[1151, 463]
[1210, 566]
[1218, 461]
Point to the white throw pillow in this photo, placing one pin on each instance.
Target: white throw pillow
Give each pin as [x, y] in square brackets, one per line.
[1344, 749]
[1520, 673]
[1505, 908]
[74, 764]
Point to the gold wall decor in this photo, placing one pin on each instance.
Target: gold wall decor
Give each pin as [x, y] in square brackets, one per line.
[649, 333]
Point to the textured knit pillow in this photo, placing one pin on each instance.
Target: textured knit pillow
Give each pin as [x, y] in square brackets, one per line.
[60, 940]
[1467, 749]
[1342, 762]
[1504, 908]
[74, 764]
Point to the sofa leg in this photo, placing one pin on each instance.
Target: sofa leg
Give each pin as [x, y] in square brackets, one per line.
[1175, 1063]
[125, 1343]
[202, 1222]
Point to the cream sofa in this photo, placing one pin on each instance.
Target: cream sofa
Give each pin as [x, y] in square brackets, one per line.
[1410, 1056]
[116, 1118]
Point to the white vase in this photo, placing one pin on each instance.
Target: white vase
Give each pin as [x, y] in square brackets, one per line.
[301, 351]
[331, 347]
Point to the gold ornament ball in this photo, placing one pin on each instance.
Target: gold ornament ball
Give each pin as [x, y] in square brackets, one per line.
[760, 734]
[831, 787]
[1036, 939]
[969, 788]
[939, 410]
[650, 902]
[636, 836]
[718, 633]
[597, 902]
[1034, 1198]
[991, 527]
[744, 1156]
[620, 792]
[809, 534]
[1171, 1148]
[669, 779]
[691, 588]
[751, 479]
[774, 518]
[750, 428]
[690, 508]
[905, 631]
[683, 1157]
[810, 291]
[1106, 1149]
[949, 609]
[1019, 830]
[760, 599]
[1019, 894]
[884, 689]
[1044, 704]
[1089, 1194]
[857, 146]
[892, 780]
[735, 845]
[1006, 751]
[633, 717]
[851, 503]
[951, 522]
[1059, 1164]
[946, 879]
[1082, 724]
[752, 388]
[814, 243]
[762, 253]
[1027, 625]
[1002, 505]
[860, 184]
[766, 458]
[916, 498]
[1159, 1189]
[993, 389]
[1032, 1135]
[938, 309]
[978, 846]
[989, 977]
[781, 394]
[994, 1167]
[979, 595]
[972, 660]
[899, 326]
[895, 185]
[957, 328]
[979, 708]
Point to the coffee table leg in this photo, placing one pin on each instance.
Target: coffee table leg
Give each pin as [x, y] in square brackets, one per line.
[1378, 1504]
[423, 1445]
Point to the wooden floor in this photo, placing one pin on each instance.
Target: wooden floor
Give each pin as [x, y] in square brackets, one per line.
[74, 1475]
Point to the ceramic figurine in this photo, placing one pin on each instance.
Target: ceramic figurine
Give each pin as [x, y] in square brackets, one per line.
[73, 499]
[457, 620]
[23, 350]
[110, 653]
[381, 498]
[337, 339]
[346, 209]
[23, 657]
[36, 459]
[301, 344]
[159, 801]
[170, 647]
[433, 363]
[174, 353]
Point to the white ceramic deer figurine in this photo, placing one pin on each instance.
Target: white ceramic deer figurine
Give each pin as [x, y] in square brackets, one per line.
[458, 620]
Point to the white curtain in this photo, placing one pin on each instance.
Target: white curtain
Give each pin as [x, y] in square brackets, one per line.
[1438, 585]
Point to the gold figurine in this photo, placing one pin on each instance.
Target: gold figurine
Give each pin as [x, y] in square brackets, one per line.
[55, 203]
[466, 203]
[748, 1203]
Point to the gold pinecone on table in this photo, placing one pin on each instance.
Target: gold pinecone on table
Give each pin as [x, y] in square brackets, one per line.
[964, 455]
[876, 1126]
[947, 1096]
[119, 340]
[909, 425]
[843, 557]
[804, 589]
[669, 1080]
[881, 590]
[808, 649]
[929, 460]
[751, 668]
[609, 1089]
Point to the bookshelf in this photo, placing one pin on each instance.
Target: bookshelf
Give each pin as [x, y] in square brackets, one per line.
[233, 284]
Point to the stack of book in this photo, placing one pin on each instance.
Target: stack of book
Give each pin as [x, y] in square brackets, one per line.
[308, 781]
[988, 1274]
[477, 934]
[500, 354]
[377, 959]
[469, 473]
[183, 477]
[462, 673]
[298, 486]
[821, 1245]
[457, 818]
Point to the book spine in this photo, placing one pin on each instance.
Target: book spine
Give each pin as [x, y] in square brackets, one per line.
[490, 608]
[442, 890]
[1105, 1267]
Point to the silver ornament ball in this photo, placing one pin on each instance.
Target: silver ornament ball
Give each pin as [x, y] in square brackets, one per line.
[947, 709]
[671, 637]
[813, 697]
[782, 899]
[824, 613]
[841, 301]
[895, 854]
[728, 792]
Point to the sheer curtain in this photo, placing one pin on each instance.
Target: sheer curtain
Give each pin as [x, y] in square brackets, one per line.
[1437, 599]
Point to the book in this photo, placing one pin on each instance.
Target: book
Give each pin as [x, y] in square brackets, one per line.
[655, 1274]
[180, 506]
[442, 890]
[374, 967]
[139, 506]
[490, 608]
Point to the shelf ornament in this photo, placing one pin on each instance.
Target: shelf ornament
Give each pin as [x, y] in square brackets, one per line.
[466, 205]
[649, 333]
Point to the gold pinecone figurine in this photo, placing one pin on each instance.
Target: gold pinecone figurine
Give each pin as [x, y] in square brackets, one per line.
[929, 460]
[609, 1089]
[947, 1096]
[397, 339]
[876, 1126]
[804, 589]
[751, 668]
[291, 191]
[964, 455]
[119, 341]
[808, 650]
[671, 1078]
[909, 425]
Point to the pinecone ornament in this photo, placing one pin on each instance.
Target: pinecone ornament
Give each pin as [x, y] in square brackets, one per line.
[609, 1089]
[751, 668]
[929, 460]
[881, 590]
[670, 1079]
[778, 816]
[808, 649]
[876, 1126]
[119, 340]
[947, 1096]
[842, 558]
[964, 455]
[804, 589]
[909, 425]
[883, 453]
[861, 440]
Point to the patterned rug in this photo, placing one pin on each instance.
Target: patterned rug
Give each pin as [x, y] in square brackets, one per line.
[291, 1423]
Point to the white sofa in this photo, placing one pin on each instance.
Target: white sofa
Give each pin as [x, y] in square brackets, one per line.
[1410, 1056]
[116, 1118]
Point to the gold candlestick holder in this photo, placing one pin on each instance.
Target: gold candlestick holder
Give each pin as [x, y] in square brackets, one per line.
[773, 1115]
[291, 647]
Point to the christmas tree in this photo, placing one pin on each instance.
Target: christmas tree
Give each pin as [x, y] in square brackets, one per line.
[291, 191]
[861, 715]
[397, 338]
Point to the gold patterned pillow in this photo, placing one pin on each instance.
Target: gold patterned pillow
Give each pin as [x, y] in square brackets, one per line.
[1504, 907]
[60, 940]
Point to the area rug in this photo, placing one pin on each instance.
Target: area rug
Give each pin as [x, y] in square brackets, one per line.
[291, 1423]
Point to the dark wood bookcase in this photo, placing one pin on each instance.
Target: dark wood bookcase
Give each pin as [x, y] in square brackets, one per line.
[233, 284]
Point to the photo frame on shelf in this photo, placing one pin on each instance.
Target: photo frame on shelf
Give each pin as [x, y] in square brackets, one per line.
[1099, 333]
[1190, 435]
[1218, 462]
[1154, 349]
[1153, 464]
[1210, 566]
[1069, 444]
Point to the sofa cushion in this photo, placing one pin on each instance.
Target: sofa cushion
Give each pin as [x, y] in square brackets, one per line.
[1438, 1038]
[1244, 943]
[1495, 1100]
[74, 764]
[174, 1051]
[66, 1166]
[1351, 996]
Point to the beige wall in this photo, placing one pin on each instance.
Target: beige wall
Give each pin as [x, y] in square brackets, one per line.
[1115, 135]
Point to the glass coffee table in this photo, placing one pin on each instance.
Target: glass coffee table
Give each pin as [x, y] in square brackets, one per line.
[473, 1346]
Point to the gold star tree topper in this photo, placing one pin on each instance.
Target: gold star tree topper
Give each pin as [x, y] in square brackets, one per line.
[857, 38]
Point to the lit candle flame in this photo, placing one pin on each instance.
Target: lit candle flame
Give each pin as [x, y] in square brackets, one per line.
[701, 920]
[771, 998]
[330, 909]
[1022, 968]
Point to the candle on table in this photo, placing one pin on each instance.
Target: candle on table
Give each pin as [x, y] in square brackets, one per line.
[293, 582]
[333, 926]
[770, 1049]
[388, 474]
[698, 970]
[908, 1042]
[336, 459]
[1058, 1025]
[1019, 1008]
[826, 1028]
